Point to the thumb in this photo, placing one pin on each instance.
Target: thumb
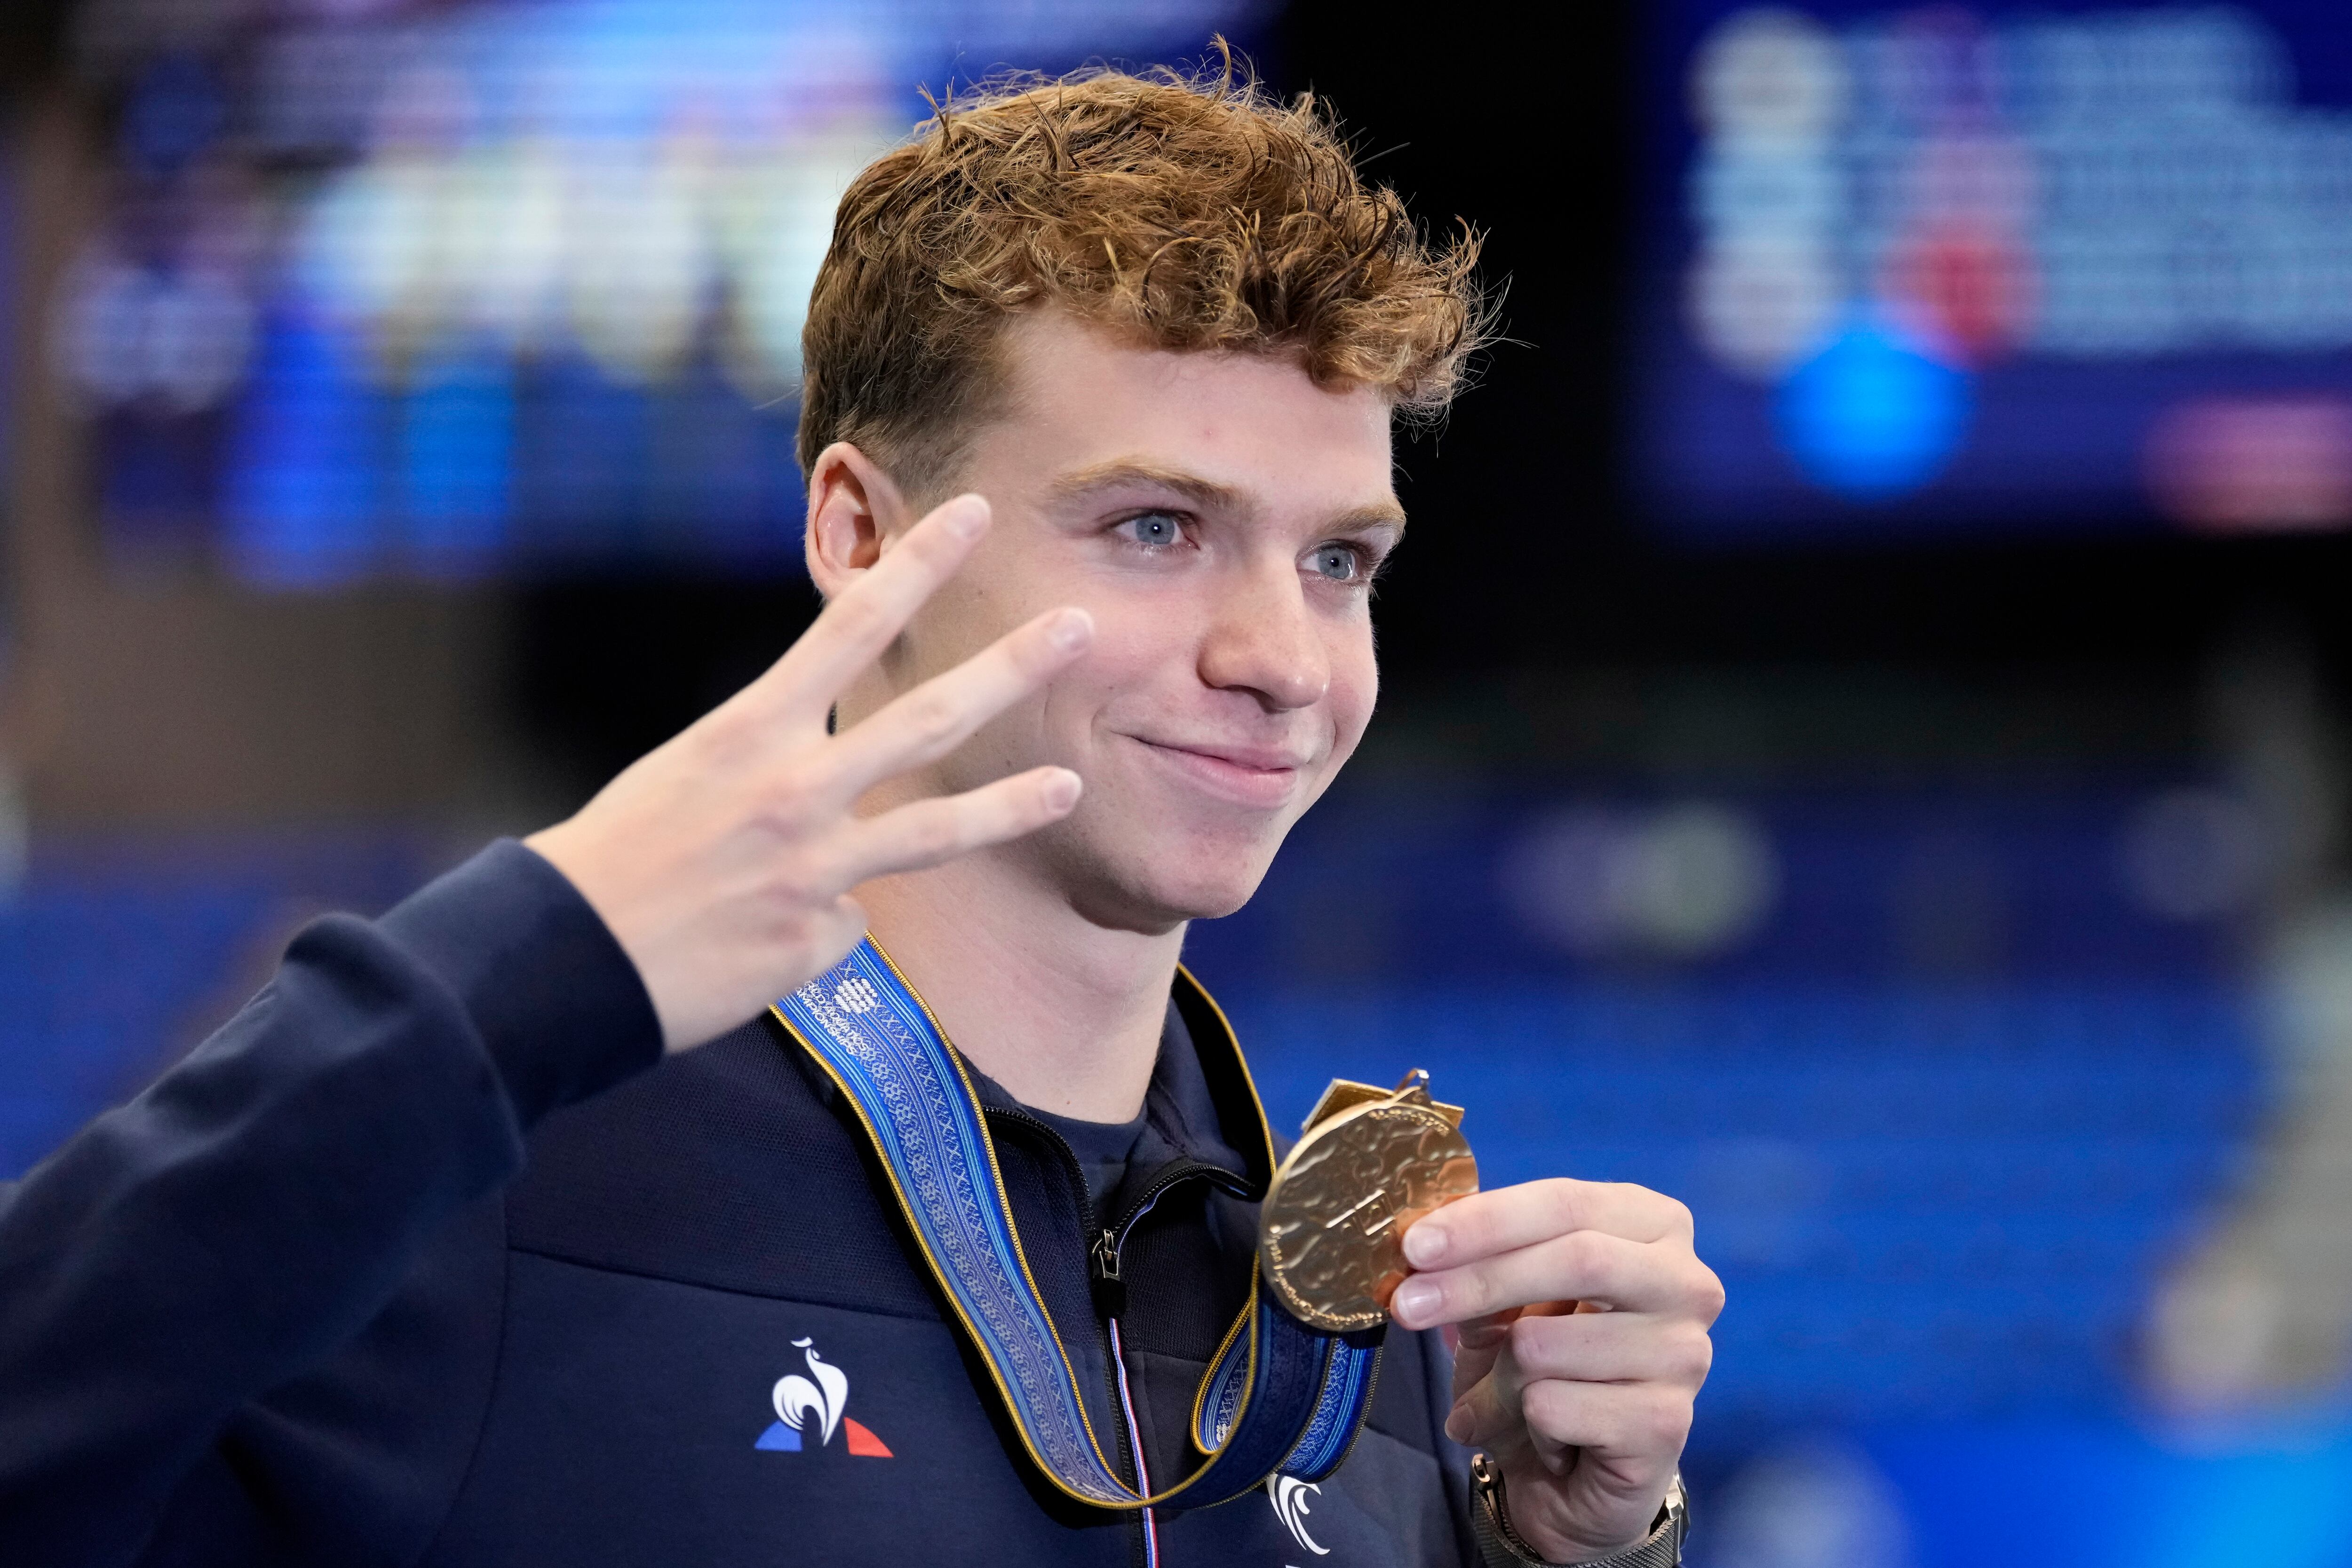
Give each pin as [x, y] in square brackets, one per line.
[1477, 1344]
[1489, 1415]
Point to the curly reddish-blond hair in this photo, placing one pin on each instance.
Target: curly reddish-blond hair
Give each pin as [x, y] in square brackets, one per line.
[1175, 212]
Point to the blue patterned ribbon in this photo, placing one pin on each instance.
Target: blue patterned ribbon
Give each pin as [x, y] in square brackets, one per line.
[1281, 1396]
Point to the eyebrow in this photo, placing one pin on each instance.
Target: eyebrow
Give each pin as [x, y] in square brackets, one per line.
[1081, 483]
[1124, 472]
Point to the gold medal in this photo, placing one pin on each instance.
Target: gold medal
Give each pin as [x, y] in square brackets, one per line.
[1370, 1163]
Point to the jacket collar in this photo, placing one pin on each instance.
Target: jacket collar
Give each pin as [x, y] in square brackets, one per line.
[1200, 1104]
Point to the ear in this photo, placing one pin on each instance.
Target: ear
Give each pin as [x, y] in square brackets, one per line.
[855, 510]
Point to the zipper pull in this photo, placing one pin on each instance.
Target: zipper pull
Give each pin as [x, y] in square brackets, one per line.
[1110, 1287]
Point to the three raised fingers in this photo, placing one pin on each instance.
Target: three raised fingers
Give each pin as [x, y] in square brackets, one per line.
[927, 723]
[866, 617]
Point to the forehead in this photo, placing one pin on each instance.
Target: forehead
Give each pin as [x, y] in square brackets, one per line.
[1257, 422]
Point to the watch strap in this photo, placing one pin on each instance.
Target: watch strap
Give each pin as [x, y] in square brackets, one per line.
[1500, 1546]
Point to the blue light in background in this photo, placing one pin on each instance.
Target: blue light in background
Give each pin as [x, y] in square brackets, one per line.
[2120, 214]
[2112, 1497]
[1871, 417]
[456, 463]
[301, 503]
[534, 301]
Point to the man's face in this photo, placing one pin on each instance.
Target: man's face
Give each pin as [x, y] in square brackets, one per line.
[1221, 516]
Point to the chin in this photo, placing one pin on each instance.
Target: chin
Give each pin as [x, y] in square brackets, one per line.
[1172, 883]
[1196, 897]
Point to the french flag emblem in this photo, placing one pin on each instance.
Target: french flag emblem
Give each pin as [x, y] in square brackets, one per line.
[813, 1405]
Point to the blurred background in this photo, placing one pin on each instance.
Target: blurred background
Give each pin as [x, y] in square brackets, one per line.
[1864, 749]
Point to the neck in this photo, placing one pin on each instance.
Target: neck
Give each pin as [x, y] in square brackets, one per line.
[1065, 1014]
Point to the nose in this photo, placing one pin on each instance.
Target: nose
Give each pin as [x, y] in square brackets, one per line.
[1265, 641]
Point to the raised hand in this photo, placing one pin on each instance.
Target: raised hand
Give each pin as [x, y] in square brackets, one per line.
[1583, 1315]
[723, 861]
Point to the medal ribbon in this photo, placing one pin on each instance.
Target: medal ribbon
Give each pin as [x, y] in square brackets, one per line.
[1280, 1397]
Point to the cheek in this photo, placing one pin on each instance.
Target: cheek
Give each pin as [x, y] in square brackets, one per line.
[1138, 657]
[957, 621]
[1355, 687]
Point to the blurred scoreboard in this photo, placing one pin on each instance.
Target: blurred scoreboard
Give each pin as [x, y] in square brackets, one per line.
[2027, 268]
[411, 288]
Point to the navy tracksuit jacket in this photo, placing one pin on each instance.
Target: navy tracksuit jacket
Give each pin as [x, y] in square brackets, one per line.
[431, 1257]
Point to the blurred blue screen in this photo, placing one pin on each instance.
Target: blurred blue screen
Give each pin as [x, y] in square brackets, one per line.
[455, 291]
[2047, 267]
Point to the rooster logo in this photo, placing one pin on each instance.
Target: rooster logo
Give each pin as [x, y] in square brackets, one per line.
[812, 1406]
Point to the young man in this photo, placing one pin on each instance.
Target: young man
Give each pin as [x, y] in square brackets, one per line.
[301, 1302]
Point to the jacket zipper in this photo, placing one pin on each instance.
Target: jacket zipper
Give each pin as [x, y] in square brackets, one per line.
[1109, 1279]
[1109, 1271]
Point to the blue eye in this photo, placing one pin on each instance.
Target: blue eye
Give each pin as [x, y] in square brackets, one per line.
[1338, 562]
[1154, 530]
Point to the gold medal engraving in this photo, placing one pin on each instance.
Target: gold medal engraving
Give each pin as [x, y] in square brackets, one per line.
[1370, 1163]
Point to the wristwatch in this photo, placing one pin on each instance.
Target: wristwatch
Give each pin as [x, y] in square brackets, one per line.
[1502, 1548]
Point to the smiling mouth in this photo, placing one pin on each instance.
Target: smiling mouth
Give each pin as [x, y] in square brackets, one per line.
[1261, 780]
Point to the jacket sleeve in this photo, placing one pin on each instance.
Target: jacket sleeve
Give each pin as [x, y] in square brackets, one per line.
[258, 1203]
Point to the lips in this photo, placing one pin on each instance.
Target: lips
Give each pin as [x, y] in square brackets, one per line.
[1257, 758]
[1256, 775]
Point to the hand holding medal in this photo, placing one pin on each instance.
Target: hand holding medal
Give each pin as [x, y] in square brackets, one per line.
[1370, 1163]
[1582, 1309]
[1579, 1312]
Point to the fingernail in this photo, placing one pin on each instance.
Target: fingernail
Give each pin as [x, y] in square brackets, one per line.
[967, 516]
[1424, 1244]
[1414, 1299]
[1457, 1423]
[1062, 789]
[1071, 630]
